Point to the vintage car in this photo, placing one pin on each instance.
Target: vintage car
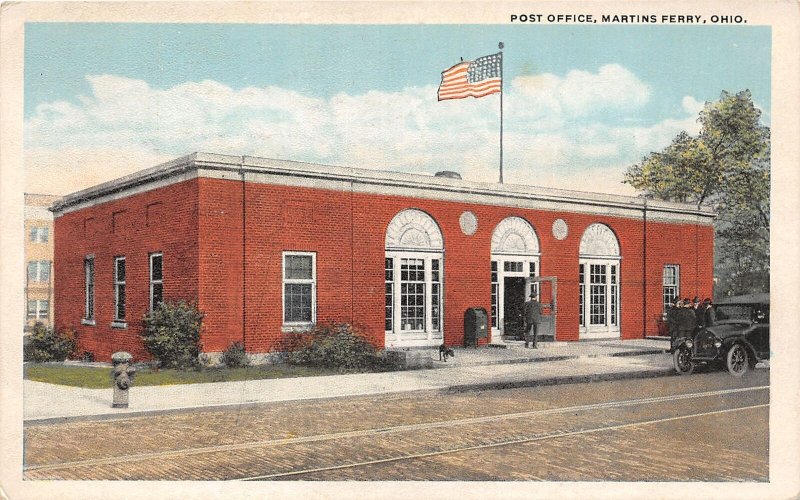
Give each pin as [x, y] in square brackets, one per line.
[738, 339]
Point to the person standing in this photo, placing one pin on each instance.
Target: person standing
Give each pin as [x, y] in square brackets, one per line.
[709, 316]
[687, 320]
[672, 321]
[698, 311]
[533, 316]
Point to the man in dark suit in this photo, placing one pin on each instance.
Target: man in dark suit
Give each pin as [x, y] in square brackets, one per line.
[687, 320]
[699, 310]
[709, 316]
[672, 321]
[533, 316]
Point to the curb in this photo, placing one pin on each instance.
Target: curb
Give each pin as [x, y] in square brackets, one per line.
[570, 379]
[543, 359]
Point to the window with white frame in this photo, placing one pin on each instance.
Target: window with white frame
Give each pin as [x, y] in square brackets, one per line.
[39, 234]
[156, 279]
[119, 289]
[672, 284]
[39, 270]
[599, 282]
[414, 293]
[88, 277]
[38, 309]
[495, 293]
[299, 288]
[414, 274]
[389, 293]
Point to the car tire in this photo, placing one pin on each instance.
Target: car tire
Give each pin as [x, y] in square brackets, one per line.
[737, 360]
[682, 360]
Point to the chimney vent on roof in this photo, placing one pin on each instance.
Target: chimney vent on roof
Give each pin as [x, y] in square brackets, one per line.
[449, 174]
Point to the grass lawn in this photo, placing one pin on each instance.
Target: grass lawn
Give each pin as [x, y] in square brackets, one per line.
[100, 378]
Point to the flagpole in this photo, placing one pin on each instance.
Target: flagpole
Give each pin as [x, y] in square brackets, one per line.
[500, 46]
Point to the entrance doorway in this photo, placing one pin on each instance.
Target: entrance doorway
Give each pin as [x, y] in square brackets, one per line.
[514, 307]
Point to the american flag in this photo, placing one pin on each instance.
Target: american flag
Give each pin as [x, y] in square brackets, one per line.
[477, 78]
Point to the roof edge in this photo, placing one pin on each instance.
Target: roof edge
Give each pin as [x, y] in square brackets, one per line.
[214, 161]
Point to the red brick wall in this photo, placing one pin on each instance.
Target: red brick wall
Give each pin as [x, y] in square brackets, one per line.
[220, 262]
[161, 220]
[347, 231]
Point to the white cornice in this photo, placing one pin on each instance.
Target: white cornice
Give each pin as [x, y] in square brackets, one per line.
[290, 173]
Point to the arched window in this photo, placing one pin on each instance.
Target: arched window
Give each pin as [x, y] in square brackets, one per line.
[414, 275]
[515, 260]
[599, 283]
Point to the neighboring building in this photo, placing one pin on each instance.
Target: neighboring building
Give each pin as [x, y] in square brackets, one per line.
[267, 248]
[38, 259]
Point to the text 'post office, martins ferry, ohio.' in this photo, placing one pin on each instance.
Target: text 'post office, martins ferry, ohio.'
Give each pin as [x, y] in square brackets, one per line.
[267, 248]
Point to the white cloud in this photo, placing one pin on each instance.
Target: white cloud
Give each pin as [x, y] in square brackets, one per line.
[582, 93]
[557, 130]
[691, 105]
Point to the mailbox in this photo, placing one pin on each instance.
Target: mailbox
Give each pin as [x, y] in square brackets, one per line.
[476, 326]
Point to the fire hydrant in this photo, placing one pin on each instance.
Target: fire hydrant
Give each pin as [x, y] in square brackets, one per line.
[123, 374]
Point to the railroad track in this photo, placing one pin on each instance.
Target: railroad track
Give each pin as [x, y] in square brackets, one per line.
[307, 455]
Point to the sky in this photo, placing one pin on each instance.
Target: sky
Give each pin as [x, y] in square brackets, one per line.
[580, 103]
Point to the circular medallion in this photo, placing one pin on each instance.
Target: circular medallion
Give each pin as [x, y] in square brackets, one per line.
[468, 223]
[560, 229]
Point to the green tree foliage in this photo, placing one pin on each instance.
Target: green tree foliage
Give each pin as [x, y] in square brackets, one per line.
[725, 168]
[49, 344]
[171, 334]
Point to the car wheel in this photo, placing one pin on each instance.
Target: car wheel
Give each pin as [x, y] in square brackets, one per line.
[737, 360]
[682, 359]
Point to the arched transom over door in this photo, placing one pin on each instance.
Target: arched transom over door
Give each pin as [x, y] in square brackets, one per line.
[515, 259]
[414, 274]
[599, 283]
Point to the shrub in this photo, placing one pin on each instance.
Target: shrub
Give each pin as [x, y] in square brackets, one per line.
[171, 334]
[48, 344]
[234, 356]
[336, 346]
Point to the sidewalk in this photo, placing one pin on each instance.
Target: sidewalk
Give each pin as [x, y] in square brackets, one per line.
[470, 369]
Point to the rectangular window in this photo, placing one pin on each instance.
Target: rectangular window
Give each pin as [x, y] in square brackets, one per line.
[671, 284]
[389, 293]
[39, 270]
[613, 293]
[412, 294]
[119, 289]
[156, 280]
[581, 284]
[40, 234]
[495, 289]
[436, 286]
[88, 276]
[513, 267]
[299, 288]
[597, 294]
[38, 309]
[532, 275]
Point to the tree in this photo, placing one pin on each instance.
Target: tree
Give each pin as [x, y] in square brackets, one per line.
[725, 168]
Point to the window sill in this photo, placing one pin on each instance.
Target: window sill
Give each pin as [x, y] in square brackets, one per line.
[89, 322]
[304, 328]
[119, 324]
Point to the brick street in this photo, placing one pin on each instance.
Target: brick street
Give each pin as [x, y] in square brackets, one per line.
[666, 429]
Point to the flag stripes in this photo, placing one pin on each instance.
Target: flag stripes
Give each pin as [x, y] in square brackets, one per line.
[477, 78]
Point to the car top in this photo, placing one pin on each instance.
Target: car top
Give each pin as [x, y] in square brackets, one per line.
[753, 298]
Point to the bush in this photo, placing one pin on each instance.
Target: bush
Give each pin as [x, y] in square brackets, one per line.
[171, 334]
[234, 356]
[335, 346]
[48, 344]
